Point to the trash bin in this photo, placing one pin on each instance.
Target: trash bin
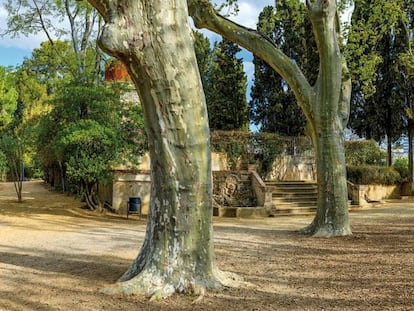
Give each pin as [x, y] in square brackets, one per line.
[134, 206]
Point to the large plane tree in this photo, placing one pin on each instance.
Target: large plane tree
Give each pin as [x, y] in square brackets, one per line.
[153, 39]
[325, 103]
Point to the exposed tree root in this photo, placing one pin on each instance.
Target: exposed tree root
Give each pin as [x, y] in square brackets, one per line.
[325, 231]
[155, 286]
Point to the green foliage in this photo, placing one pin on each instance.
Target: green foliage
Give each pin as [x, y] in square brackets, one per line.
[234, 143]
[8, 98]
[376, 175]
[401, 166]
[266, 148]
[203, 55]
[376, 40]
[87, 149]
[41, 16]
[365, 152]
[23, 17]
[224, 83]
[13, 147]
[3, 165]
[261, 149]
[51, 64]
[273, 105]
[90, 129]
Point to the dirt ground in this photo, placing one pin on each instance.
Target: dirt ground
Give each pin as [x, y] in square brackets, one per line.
[54, 255]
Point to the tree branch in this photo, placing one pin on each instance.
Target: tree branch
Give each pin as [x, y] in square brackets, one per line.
[205, 16]
[102, 7]
[42, 23]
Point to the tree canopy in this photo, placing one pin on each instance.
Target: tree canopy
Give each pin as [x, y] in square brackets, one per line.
[273, 105]
[224, 83]
[226, 89]
[8, 97]
[376, 41]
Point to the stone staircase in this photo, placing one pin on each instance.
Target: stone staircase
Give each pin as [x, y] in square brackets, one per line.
[293, 197]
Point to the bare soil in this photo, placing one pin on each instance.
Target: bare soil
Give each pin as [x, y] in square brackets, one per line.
[55, 255]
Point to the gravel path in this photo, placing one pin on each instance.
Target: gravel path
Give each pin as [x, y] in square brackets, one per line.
[54, 255]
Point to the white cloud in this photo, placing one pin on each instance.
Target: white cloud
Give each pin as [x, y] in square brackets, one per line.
[249, 12]
[25, 43]
[249, 70]
[247, 16]
[21, 42]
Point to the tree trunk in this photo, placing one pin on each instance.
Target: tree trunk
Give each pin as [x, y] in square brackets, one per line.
[325, 105]
[329, 116]
[389, 151]
[410, 150]
[153, 39]
[331, 217]
[17, 170]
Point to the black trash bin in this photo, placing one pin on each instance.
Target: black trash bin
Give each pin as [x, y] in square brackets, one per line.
[134, 206]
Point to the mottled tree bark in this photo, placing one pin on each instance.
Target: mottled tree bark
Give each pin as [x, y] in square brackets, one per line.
[325, 104]
[153, 39]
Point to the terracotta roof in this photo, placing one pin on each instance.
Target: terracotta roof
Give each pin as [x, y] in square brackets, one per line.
[116, 72]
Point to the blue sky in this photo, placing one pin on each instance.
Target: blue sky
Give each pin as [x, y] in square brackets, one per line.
[14, 50]
[12, 56]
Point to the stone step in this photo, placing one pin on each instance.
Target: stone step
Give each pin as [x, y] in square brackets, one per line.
[310, 211]
[293, 197]
[305, 188]
[292, 183]
[241, 212]
[294, 205]
[292, 186]
[290, 204]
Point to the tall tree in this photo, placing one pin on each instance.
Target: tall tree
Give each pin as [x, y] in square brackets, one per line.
[225, 89]
[203, 55]
[38, 78]
[153, 40]
[32, 17]
[376, 40]
[406, 59]
[8, 98]
[177, 254]
[224, 83]
[12, 146]
[273, 105]
[86, 132]
[324, 103]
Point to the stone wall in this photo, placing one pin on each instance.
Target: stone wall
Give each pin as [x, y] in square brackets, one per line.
[230, 188]
[293, 168]
[130, 184]
[362, 195]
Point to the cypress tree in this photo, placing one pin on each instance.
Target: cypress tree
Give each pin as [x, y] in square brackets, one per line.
[273, 105]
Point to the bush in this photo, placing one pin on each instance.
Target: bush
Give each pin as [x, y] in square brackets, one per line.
[365, 152]
[377, 175]
[257, 148]
[401, 165]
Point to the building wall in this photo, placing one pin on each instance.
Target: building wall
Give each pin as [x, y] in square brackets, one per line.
[293, 168]
[129, 184]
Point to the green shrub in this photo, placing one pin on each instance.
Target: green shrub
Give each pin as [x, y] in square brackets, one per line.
[401, 165]
[257, 148]
[365, 152]
[377, 175]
